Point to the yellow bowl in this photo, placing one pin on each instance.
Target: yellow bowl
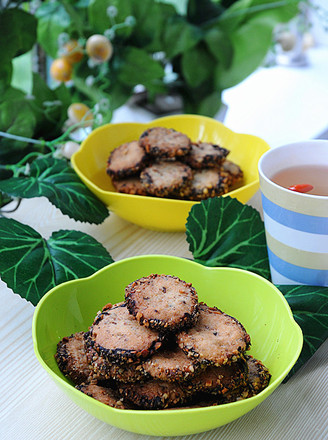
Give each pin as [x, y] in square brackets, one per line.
[71, 307]
[154, 212]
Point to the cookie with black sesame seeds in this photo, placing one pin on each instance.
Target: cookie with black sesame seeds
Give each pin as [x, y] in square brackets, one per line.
[216, 338]
[205, 155]
[130, 185]
[259, 375]
[154, 394]
[234, 172]
[104, 370]
[208, 182]
[103, 394]
[118, 337]
[221, 379]
[167, 179]
[164, 142]
[126, 160]
[171, 364]
[72, 359]
[162, 302]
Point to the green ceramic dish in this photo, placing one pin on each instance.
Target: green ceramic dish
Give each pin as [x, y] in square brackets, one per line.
[254, 301]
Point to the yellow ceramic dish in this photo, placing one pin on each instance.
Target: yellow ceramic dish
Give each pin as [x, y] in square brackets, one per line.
[153, 212]
[254, 301]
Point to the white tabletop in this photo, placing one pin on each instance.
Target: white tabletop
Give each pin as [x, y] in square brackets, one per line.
[33, 408]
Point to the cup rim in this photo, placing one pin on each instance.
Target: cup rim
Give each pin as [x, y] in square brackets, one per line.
[284, 147]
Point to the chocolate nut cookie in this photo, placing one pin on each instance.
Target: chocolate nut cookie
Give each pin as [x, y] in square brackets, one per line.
[216, 339]
[167, 179]
[154, 394]
[162, 302]
[205, 155]
[165, 142]
[118, 337]
[207, 183]
[171, 365]
[103, 394]
[72, 359]
[126, 160]
[130, 185]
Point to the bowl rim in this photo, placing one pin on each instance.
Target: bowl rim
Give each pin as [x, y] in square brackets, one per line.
[71, 388]
[92, 184]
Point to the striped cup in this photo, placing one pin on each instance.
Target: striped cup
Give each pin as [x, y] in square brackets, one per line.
[296, 224]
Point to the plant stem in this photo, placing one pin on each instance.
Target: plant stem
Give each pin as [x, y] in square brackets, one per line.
[22, 138]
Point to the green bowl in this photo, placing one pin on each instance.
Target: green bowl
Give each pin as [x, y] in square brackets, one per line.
[255, 302]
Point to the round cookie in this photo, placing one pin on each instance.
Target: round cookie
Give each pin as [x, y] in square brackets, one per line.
[207, 183]
[165, 142]
[72, 359]
[258, 379]
[205, 155]
[164, 179]
[222, 379]
[216, 339]
[104, 370]
[154, 394]
[162, 302]
[118, 337]
[259, 375]
[102, 394]
[170, 365]
[130, 185]
[234, 172]
[126, 160]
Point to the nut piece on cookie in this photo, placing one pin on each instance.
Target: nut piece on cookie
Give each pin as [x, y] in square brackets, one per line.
[126, 160]
[162, 302]
[165, 142]
[216, 339]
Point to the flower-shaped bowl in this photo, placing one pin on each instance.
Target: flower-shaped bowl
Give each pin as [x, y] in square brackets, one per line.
[71, 307]
[157, 213]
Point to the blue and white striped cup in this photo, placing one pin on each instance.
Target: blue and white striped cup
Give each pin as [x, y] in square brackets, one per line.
[296, 224]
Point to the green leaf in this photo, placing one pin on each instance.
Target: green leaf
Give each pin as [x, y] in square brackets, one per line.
[197, 65]
[18, 33]
[16, 117]
[17, 36]
[133, 70]
[310, 309]
[54, 179]
[50, 108]
[222, 231]
[250, 43]
[200, 12]
[220, 46]
[180, 36]
[151, 18]
[53, 19]
[31, 265]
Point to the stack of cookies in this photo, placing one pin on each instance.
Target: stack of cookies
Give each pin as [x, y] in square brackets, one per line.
[166, 163]
[161, 348]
